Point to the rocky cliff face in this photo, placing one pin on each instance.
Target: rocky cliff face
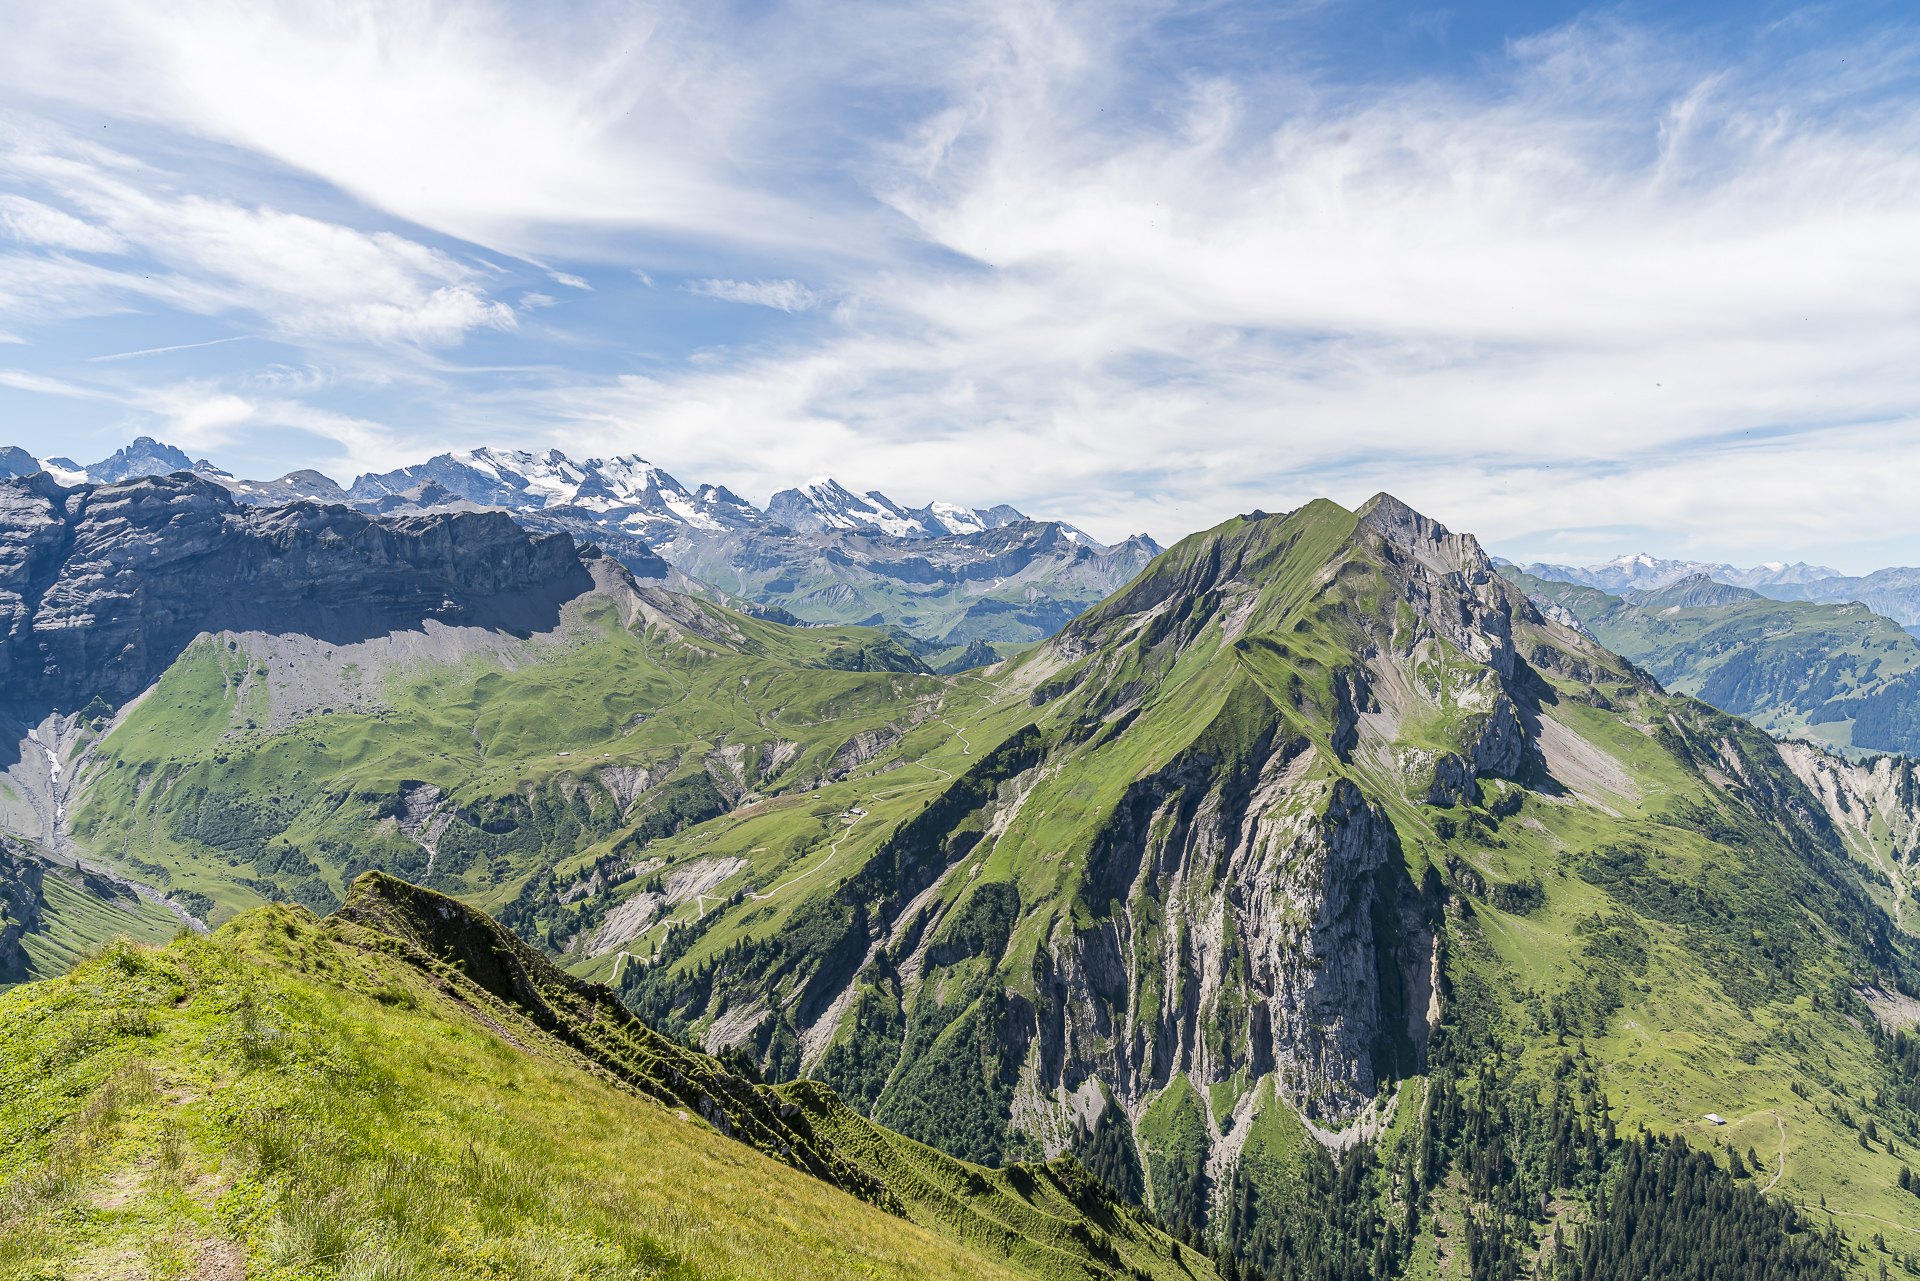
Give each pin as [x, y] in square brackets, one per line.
[1874, 805]
[102, 586]
[21, 905]
[1248, 943]
[1268, 925]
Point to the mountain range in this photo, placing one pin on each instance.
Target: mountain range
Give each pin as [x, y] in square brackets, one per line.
[1893, 592]
[1641, 572]
[1836, 674]
[1333, 907]
[944, 576]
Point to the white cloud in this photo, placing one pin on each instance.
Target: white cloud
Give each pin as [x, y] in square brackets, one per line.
[310, 279]
[529, 302]
[571, 282]
[782, 295]
[1507, 303]
[26, 380]
[38, 224]
[485, 121]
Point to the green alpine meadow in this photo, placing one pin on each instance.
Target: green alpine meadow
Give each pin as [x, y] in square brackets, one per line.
[445, 901]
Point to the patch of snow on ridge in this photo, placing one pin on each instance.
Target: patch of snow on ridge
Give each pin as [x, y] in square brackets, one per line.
[956, 519]
[692, 515]
[551, 476]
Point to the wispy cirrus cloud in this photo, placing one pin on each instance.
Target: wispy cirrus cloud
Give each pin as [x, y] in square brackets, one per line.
[33, 223]
[203, 416]
[1501, 301]
[781, 295]
[307, 278]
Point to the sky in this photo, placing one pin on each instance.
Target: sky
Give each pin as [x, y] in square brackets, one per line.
[1582, 280]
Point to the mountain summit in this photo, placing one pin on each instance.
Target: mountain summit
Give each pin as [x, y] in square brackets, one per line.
[824, 505]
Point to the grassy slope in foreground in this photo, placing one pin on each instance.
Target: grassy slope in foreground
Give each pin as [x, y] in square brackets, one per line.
[324, 1098]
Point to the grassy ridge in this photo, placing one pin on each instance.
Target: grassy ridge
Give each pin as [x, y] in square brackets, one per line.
[356, 1097]
[1652, 921]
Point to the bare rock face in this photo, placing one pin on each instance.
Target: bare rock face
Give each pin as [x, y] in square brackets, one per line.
[21, 906]
[1876, 803]
[1500, 748]
[102, 586]
[1251, 915]
[1453, 781]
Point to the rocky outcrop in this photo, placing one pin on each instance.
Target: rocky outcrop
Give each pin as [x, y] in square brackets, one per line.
[1243, 935]
[861, 748]
[1874, 805]
[21, 905]
[1499, 747]
[1450, 583]
[1450, 782]
[101, 587]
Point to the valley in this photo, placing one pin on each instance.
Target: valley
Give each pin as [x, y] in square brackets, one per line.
[1839, 675]
[1318, 892]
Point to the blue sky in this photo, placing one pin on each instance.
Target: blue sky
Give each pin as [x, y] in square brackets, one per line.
[1582, 280]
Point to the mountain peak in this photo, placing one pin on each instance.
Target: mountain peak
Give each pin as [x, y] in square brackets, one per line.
[144, 457]
[824, 504]
[1696, 591]
[1431, 543]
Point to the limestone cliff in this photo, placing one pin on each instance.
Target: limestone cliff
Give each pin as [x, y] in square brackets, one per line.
[102, 586]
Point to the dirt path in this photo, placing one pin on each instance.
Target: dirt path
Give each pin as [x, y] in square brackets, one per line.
[1855, 1214]
[1780, 1164]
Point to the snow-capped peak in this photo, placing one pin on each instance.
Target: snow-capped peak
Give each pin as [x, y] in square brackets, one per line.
[956, 519]
[825, 504]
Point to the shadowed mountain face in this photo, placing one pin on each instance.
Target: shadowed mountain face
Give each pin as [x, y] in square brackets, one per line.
[101, 587]
[945, 573]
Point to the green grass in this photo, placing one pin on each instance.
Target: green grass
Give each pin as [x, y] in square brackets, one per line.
[161, 1105]
[1669, 905]
[296, 805]
[79, 923]
[327, 1099]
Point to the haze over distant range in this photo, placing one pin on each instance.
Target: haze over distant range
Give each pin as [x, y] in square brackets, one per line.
[1893, 592]
[1606, 278]
[641, 511]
